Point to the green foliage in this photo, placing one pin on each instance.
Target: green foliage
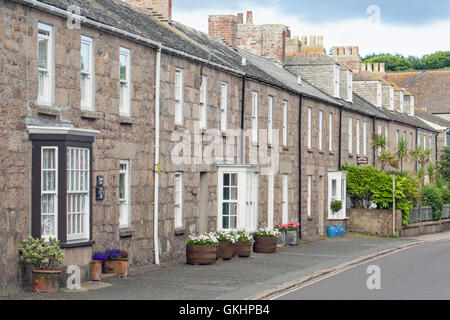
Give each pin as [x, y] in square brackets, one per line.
[445, 195]
[368, 184]
[444, 165]
[336, 206]
[432, 197]
[437, 60]
[393, 63]
[41, 254]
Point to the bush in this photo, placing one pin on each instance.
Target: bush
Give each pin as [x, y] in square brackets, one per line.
[336, 206]
[41, 254]
[432, 197]
[445, 195]
[370, 185]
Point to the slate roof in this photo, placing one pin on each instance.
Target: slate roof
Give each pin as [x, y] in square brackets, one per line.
[432, 118]
[431, 88]
[185, 39]
[310, 60]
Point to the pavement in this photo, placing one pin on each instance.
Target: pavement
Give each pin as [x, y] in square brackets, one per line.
[258, 277]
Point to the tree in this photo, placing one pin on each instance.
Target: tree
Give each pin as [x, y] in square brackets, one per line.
[423, 157]
[402, 151]
[384, 156]
[444, 165]
[438, 60]
[393, 63]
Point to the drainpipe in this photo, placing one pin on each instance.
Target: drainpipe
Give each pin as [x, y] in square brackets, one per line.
[300, 163]
[157, 150]
[417, 144]
[374, 149]
[340, 140]
[436, 146]
[242, 157]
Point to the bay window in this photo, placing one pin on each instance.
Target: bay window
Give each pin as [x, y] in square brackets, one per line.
[61, 183]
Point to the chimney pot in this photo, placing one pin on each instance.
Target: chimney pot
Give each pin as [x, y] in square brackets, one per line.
[240, 17]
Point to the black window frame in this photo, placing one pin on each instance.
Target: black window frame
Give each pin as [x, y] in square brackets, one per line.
[62, 142]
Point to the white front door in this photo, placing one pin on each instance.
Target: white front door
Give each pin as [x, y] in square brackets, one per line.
[337, 191]
[237, 199]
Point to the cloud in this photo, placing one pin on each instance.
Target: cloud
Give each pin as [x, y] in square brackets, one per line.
[382, 38]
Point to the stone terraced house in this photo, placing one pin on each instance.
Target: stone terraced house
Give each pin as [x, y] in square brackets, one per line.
[115, 124]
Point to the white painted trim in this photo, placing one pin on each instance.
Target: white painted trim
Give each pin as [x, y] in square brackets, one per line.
[62, 130]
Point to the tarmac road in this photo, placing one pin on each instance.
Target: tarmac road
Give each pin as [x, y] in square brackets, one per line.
[421, 272]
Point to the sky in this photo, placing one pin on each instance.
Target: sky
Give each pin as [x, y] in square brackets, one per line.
[407, 27]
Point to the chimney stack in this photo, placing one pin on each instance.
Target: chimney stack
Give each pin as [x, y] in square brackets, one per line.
[240, 17]
[161, 9]
[249, 17]
[224, 29]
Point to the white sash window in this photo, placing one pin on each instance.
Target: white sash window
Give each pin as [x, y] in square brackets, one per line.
[45, 64]
[179, 97]
[124, 193]
[87, 73]
[255, 117]
[223, 107]
[270, 121]
[125, 83]
[49, 192]
[78, 195]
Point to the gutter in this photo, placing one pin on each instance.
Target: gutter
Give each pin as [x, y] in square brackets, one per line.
[126, 34]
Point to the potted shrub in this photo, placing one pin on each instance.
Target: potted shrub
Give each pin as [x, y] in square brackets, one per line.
[202, 249]
[227, 239]
[265, 240]
[97, 265]
[335, 230]
[45, 258]
[117, 262]
[243, 246]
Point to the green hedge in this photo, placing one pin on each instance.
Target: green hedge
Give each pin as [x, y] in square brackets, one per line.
[372, 185]
[432, 196]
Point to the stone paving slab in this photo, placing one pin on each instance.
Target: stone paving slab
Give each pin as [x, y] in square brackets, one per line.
[237, 279]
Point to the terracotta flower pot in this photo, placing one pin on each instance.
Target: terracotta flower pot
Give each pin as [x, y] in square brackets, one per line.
[225, 250]
[118, 266]
[265, 245]
[96, 270]
[45, 281]
[244, 249]
[203, 255]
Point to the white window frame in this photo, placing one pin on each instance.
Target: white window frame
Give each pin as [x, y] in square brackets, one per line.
[402, 102]
[412, 111]
[54, 192]
[309, 196]
[87, 102]
[78, 222]
[336, 81]
[203, 103]
[285, 201]
[391, 98]
[179, 97]
[270, 121]
[125, 84]
[124, 203]
[178, 200]
[46, 98]
[365, 138]
[386, 134]
[350, 135]
[309, 128]
[379, 94]
[379, 133]
[223, 107]
[358, 142]
[331, 133]
[254, 117]
[320, 130]
[349, 86]
[285, 123]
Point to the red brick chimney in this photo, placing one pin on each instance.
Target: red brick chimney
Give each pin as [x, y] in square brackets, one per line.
[224, 28]
[161, 9]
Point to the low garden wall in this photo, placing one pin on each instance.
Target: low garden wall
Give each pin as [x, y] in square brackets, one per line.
[429, 227]
[372, 222]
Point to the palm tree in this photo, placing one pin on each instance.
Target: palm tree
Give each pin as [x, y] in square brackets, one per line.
[385, 157]
[423, 157]
[379, 142]
[402, 151]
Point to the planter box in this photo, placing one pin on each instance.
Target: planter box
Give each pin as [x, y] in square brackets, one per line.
[45, 281]
[243, 249]
[203, 255]
[291, 237]
[225, 250]
[446, 212]
[265, 245]
[117, 266]
[281, 240]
